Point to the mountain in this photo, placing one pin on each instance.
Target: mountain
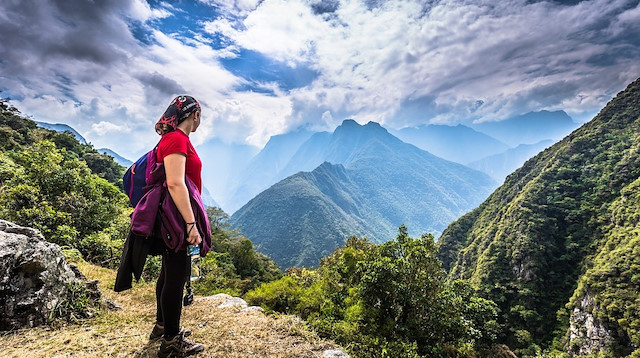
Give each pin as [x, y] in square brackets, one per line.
[58, 127]
[264, 169]
[529, 128]
[556, 246]
[498, 166]
[295, 222]
[310, 154]
[371, 183]
[222, 164]
[117, 157]
[207, 199]
[459, 144]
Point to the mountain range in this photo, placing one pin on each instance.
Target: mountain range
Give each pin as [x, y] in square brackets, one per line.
[265, 168]
[498, 166]
[529, 128]
[304, 150]
[368, 183]
[459, 143]
[556, 246]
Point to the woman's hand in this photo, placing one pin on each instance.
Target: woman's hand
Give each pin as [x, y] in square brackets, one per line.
[194, 235]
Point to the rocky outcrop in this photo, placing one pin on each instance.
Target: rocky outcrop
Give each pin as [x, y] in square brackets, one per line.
[35, 280]
[587, 335]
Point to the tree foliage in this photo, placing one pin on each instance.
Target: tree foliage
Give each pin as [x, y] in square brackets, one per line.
[45, 183]
[528, 245]
[233, 265]
[385, 300]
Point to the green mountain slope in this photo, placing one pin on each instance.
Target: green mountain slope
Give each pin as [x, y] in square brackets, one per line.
[302, 218]
[530, 243]
[385, 183]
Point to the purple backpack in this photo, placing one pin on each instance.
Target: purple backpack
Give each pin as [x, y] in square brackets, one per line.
[137, 177]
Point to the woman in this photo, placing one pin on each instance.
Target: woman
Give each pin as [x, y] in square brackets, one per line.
[179, 157]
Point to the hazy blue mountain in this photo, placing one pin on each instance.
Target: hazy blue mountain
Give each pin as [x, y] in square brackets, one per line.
[264, 169]
[117, 157]
[498, 166]
[310, 154]
[374, 184]
[529, 128]
[222, 163]
[58, 127]
[459, 143]
[207, 199]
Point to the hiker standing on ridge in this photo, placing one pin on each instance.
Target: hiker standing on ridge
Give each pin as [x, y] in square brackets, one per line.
[180, 158]
[167, 220]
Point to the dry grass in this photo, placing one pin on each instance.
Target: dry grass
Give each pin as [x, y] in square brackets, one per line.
[224, 332]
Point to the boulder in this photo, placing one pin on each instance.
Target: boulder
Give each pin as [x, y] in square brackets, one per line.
[34, 278]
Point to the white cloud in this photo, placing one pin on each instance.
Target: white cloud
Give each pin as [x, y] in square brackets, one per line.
[103, 128]
[234, 7]
[141, 11]
[399, 63]
[505, 54]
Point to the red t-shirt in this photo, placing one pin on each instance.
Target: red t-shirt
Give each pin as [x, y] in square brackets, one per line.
[178, 142]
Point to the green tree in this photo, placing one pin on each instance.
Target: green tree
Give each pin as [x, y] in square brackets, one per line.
[386, 300]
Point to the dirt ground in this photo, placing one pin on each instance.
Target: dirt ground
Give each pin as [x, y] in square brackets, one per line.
[227, 332]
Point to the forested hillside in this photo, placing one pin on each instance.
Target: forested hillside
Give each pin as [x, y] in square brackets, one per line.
[554, 246]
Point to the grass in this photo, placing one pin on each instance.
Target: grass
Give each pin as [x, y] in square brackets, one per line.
[225, 332]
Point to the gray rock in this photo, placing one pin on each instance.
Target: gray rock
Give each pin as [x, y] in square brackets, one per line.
[253, 309]
[34, 277]
[587, 335]
[110, 305]
[335, 353]
[233, 302]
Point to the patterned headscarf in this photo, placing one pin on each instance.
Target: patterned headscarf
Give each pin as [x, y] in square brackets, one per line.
[179, 109]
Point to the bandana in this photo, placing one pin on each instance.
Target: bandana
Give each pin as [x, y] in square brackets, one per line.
[179, 109]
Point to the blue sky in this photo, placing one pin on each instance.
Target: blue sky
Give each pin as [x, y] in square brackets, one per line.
[265, 67]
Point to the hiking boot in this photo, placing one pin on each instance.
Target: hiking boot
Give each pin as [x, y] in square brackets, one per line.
[179, 346]
[158, 332]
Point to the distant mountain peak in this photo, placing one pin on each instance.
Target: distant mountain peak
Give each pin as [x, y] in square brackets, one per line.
[373, 124]
[351, 126]
[349, 123]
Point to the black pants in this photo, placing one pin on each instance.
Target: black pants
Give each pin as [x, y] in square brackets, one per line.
[173, 276]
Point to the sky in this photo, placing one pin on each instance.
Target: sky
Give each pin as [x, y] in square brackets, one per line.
[265, 67]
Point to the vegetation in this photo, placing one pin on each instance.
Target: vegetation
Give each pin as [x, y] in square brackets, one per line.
[386, 300]
[232, 266]
[560, 229]
[65, 189]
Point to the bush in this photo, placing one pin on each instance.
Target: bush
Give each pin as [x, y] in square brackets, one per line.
[388, 300]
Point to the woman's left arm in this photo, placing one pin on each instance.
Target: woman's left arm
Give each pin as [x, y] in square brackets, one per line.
[174, 165]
